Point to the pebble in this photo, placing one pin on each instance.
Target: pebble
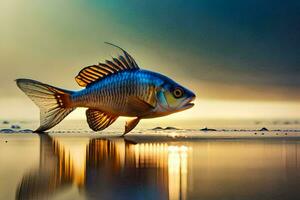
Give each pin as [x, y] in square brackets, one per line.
[157, 128]
[207, 129]
[171, 128]
[15, 126]
[25, 131]
[263, 129]
[6, 130]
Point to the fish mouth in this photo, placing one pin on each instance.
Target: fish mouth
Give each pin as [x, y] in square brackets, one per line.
[188, 103]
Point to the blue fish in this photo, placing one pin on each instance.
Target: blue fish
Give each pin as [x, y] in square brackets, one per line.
[115, 88]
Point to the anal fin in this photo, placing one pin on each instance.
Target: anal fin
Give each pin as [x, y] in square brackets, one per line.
[99, 120]
[131, 124]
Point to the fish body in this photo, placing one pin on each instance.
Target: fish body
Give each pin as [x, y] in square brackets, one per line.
[113, 93]
[112, 89]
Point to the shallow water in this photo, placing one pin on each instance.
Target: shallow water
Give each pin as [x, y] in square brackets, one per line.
[85, 166]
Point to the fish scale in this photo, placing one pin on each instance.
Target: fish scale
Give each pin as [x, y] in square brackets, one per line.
[112, 93]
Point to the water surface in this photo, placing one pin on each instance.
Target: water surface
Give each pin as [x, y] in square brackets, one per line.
[83, 167]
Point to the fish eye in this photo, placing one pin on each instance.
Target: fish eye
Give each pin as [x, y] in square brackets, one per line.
[178, 92]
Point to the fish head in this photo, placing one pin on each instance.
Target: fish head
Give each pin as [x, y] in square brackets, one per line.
[173, 97]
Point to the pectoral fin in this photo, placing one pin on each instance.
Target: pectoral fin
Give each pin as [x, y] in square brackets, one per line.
[139, 106]
[131, 124]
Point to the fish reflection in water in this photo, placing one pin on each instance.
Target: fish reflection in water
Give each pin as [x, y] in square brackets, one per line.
[205, 169]
[49, 177]
[108, 169]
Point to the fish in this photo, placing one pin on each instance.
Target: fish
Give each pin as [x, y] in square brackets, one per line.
[114, 88]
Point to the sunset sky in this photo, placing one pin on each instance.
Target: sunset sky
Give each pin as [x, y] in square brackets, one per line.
[240, 57]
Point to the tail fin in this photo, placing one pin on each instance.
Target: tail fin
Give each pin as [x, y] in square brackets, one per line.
[54, 103]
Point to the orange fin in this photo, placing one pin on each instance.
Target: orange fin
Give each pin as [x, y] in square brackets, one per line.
[94, 73]
[131, 124]
[99, 120]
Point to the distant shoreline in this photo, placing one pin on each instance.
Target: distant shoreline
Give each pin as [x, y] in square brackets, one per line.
[166, 136]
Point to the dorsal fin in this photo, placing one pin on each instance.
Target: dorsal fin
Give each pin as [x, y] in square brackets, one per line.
[94, 73]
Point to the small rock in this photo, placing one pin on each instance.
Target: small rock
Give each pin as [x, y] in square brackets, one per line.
[25, 131]
[157, 128]
[5, 141]
[171, 128]
[6, 130]
[15, 126]
[207, 129]
[5, 122]
[263, 129]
